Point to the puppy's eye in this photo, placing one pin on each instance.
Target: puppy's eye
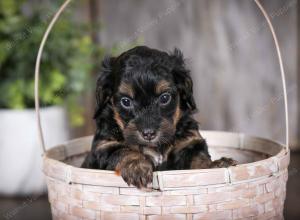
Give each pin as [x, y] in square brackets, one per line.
[126, 102]
[165, 98]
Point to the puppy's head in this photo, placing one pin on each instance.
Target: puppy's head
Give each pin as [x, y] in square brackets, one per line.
[148, 90]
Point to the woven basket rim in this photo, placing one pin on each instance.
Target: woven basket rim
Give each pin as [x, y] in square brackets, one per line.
[174, 178]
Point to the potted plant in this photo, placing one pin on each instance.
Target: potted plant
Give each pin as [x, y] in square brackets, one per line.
[64, 74]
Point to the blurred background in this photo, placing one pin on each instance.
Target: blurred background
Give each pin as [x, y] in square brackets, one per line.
[227, 46]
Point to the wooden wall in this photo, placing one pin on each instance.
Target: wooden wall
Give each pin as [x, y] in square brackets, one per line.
[229, 50]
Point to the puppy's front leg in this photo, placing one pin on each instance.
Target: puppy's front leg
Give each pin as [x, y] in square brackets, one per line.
[134, 167]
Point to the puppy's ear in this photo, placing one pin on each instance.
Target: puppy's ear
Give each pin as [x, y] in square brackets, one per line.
[104, 85]
[183, 81]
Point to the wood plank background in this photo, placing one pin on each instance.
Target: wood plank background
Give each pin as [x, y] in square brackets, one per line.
[230, 51]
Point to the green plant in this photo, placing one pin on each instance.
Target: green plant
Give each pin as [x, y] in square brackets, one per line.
[66, 63]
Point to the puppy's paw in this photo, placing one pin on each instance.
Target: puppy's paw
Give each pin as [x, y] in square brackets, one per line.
[224, 162]
[138, 173]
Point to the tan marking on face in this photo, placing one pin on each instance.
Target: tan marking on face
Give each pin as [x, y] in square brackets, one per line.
[118, 119]
[162, 86]
[177, 115]
[166, 125]
[126, 89]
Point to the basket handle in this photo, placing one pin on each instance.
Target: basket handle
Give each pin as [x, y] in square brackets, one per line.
[286, 112]
[37, 73]
[66, 3]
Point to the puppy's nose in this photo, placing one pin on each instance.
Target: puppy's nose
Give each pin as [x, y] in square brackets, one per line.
[149, 134]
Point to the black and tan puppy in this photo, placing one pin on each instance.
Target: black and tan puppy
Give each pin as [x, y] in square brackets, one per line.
[144, 118]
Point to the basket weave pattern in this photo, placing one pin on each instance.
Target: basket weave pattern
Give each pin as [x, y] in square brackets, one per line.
[260, 199]
[248, 191]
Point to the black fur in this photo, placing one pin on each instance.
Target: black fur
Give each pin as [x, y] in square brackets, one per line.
[119, 143]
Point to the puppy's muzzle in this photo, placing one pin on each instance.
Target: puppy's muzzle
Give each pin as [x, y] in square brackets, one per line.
[148, 134]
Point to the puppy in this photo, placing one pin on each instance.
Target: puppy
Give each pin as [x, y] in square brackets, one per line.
[144, 106]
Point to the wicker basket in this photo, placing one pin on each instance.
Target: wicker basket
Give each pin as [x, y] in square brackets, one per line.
[254, 189]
